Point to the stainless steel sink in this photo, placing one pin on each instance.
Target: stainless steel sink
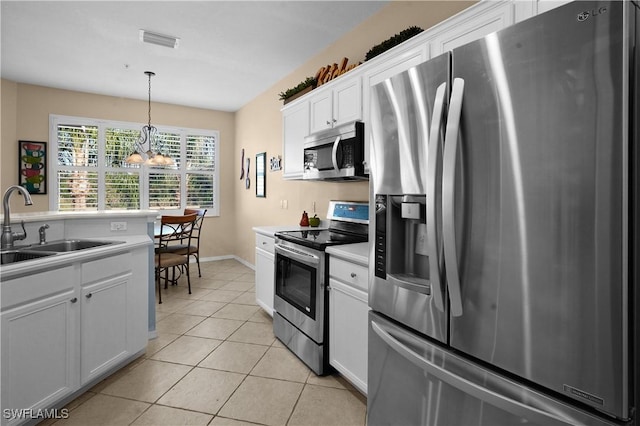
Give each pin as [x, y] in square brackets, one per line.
[12, 256]
[36, 251]
[70, 245]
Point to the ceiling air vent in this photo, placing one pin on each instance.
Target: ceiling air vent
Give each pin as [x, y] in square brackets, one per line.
[159, 39]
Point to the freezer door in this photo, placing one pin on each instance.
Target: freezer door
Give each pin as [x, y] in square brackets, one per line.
[537, 184]
[407, 137]
[401, 112]
[414, 382]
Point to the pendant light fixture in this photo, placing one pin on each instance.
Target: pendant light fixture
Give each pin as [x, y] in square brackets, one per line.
[148, 136]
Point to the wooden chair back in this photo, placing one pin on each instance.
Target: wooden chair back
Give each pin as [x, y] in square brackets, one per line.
[176, 229]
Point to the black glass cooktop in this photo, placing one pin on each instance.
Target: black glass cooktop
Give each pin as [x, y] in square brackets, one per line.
[320, 239]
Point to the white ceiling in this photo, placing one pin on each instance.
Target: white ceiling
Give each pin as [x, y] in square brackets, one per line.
[229, 52]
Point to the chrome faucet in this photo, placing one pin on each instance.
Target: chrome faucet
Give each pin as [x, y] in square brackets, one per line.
[8, 237]
[43, 233]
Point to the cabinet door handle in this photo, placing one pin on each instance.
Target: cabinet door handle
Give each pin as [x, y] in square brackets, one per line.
[88, 296]
[328, 122]
[74, 300]
[353, 275]
[264, 243]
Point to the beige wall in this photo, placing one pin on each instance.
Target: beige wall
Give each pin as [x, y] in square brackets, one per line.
[25, 116]
[259, 124]
[257, 127]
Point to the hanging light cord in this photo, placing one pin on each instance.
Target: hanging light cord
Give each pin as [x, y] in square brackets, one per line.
[150, 74]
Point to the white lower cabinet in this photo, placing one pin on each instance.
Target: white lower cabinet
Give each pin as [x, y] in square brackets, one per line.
[348, 321]
[65, 327]
[265, 269]
[39, 347]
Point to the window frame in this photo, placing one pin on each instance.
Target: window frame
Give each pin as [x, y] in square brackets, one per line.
[101, 169]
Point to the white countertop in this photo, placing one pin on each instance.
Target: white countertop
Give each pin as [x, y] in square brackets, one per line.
[27, 267]
[357, 253]
[54, 215]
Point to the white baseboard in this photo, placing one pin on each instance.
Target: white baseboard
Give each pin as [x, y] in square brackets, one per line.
[225, 257]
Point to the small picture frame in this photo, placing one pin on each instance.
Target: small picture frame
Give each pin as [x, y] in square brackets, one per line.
[32, 166]
[261, 177]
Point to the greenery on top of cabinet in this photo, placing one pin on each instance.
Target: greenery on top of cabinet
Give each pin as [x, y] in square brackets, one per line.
[392, 42]
[308, 82]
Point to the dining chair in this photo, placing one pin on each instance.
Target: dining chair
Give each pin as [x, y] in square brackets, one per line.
[192, 248]
[173, 231]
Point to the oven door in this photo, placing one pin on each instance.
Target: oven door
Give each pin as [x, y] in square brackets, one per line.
[300, 288]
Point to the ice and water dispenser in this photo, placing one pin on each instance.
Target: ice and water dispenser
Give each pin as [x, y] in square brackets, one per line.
[401, 241]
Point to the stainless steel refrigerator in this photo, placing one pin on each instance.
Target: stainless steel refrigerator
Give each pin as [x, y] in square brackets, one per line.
[504, 278]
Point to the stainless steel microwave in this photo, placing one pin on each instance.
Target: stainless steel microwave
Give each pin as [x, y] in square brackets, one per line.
[335, 154]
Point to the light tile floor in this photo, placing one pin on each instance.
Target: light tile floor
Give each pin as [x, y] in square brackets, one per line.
[216, 362]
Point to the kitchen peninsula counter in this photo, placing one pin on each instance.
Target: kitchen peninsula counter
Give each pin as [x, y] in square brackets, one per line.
[72, 318]
[133, 227]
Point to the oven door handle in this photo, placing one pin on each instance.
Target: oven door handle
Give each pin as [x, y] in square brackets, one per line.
[298, 255]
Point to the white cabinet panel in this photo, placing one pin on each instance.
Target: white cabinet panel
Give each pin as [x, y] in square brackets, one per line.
[265, 269]
[265, 243]
[546, 5]
[347, 100]
[348, 310]
[64, 327]
[472, 24]
[104, 326]
[320, 106]
[295, 127]
[350, 273]
[338, 103]
[39, 352]
[348, 319]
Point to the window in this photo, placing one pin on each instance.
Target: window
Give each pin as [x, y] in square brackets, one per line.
[90, 172]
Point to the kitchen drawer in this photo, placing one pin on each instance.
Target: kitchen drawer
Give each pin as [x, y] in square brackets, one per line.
[265, 243]
[349, 273]
[106, 267]
[36, 286]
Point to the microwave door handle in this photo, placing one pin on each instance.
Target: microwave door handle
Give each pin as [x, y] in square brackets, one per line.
[433, 157]
[448, 196]
[334, 154]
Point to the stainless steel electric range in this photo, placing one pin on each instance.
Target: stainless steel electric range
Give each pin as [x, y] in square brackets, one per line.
[302, 276]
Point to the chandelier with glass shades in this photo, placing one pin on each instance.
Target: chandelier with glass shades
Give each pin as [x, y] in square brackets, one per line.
[148, 136]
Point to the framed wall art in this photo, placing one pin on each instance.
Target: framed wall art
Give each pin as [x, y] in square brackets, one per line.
[32, 166]
[261, 177]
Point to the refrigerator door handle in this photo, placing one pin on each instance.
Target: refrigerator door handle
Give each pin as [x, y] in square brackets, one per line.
[497, 400]
[432, 230]
[448, 196]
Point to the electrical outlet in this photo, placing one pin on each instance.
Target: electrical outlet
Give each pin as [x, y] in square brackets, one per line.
[118, 226]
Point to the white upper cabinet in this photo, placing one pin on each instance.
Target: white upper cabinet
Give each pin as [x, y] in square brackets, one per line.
[545, 5]
[336, 104]
[348, 98]
[471, 24]
[295, 127]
